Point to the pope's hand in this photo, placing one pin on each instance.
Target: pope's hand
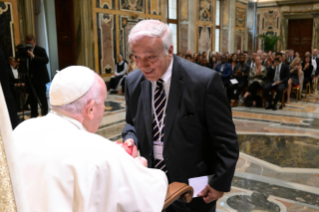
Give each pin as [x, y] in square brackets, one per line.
[141, 160]
[130, 143]
[209, 194]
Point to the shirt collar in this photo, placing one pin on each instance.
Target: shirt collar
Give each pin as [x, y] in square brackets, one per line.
[73, 121]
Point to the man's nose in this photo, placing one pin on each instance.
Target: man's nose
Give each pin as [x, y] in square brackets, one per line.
[144, 63]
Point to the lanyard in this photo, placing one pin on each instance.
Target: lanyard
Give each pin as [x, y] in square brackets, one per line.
[160, 126]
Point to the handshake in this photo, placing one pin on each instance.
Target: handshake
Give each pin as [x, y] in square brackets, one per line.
[131, 149]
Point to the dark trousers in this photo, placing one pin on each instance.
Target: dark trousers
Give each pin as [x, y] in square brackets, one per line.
[252, 89]
[239, 87]
[196, 205]
[114, 83]
[41, 92]
[279, 90]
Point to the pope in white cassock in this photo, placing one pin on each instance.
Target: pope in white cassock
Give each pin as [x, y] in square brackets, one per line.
[66, 167]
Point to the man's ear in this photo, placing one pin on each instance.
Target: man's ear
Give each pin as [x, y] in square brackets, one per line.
[171, 51]
[89, 109]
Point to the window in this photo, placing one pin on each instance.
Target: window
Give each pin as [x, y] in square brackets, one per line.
[217, 25]
[172, 21]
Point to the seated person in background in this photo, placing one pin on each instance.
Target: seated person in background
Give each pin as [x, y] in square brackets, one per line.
[246, 56]
[199, 59]
[297, 54]
[224, 70]
[205, 63]
[278, 80]
[313, 63]
[251, 62]
[240, 73]
[132, 65]
[295, 73]
[233, 61]
[195, 55]
[120, 70]
[264, 59]
[307, 69]
[67, 167]
[213, 61]
[257, 78]
[219, 58]
[291, 56]
[285, 59]
[189, 57]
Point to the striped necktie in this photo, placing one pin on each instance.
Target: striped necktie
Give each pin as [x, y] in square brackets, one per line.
[159, 120]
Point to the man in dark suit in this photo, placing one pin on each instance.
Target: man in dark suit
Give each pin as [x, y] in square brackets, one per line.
[291, 56]
[225, 70]
[251, 62]
[278, 75]
[178, 116]
[5, 84]
[316, 59]
[39, 77]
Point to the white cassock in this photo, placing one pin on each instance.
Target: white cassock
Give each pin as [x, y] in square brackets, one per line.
[65, 168]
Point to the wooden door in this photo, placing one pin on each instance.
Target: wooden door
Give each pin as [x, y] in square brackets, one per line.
[65, 33]
[300, 35]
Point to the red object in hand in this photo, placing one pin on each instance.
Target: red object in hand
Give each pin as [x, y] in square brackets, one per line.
[128, 149]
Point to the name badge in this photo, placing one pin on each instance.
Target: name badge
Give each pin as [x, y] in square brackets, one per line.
[158, 150]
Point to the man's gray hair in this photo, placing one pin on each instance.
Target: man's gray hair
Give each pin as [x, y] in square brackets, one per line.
[152, 28]
[76, 107]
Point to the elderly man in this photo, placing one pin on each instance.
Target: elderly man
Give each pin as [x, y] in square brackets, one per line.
[259, 53]
[291, 56]
[66, 167]
[251, 62]
[316, 59]
[264, 59]
[179, 118]
[313, 63]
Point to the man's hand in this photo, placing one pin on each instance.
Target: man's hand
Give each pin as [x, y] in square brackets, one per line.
[130, 142]
[115, 75]
[209, 194]
[31, 54]
[278, 82]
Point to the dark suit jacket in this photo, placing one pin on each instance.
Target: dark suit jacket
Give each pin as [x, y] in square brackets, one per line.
[5, 84]
[37, 67]
[249, 61]
[200, 137]
[227, 72]
[284, 74]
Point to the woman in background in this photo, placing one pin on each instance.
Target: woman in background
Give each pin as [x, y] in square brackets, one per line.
[295, 73]
[233, 61]
[256, 80]
[132, 65]
[307, 69]
[213, 62]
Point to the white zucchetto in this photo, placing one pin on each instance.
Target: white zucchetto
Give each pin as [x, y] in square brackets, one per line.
[70, 84]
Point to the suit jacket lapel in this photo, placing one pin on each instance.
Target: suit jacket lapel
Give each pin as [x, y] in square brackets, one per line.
[147, 106]
[174, 99]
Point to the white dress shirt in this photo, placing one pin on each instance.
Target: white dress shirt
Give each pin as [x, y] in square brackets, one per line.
[279, 68]
[15, 72]
[314, 64]
[167, 84]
